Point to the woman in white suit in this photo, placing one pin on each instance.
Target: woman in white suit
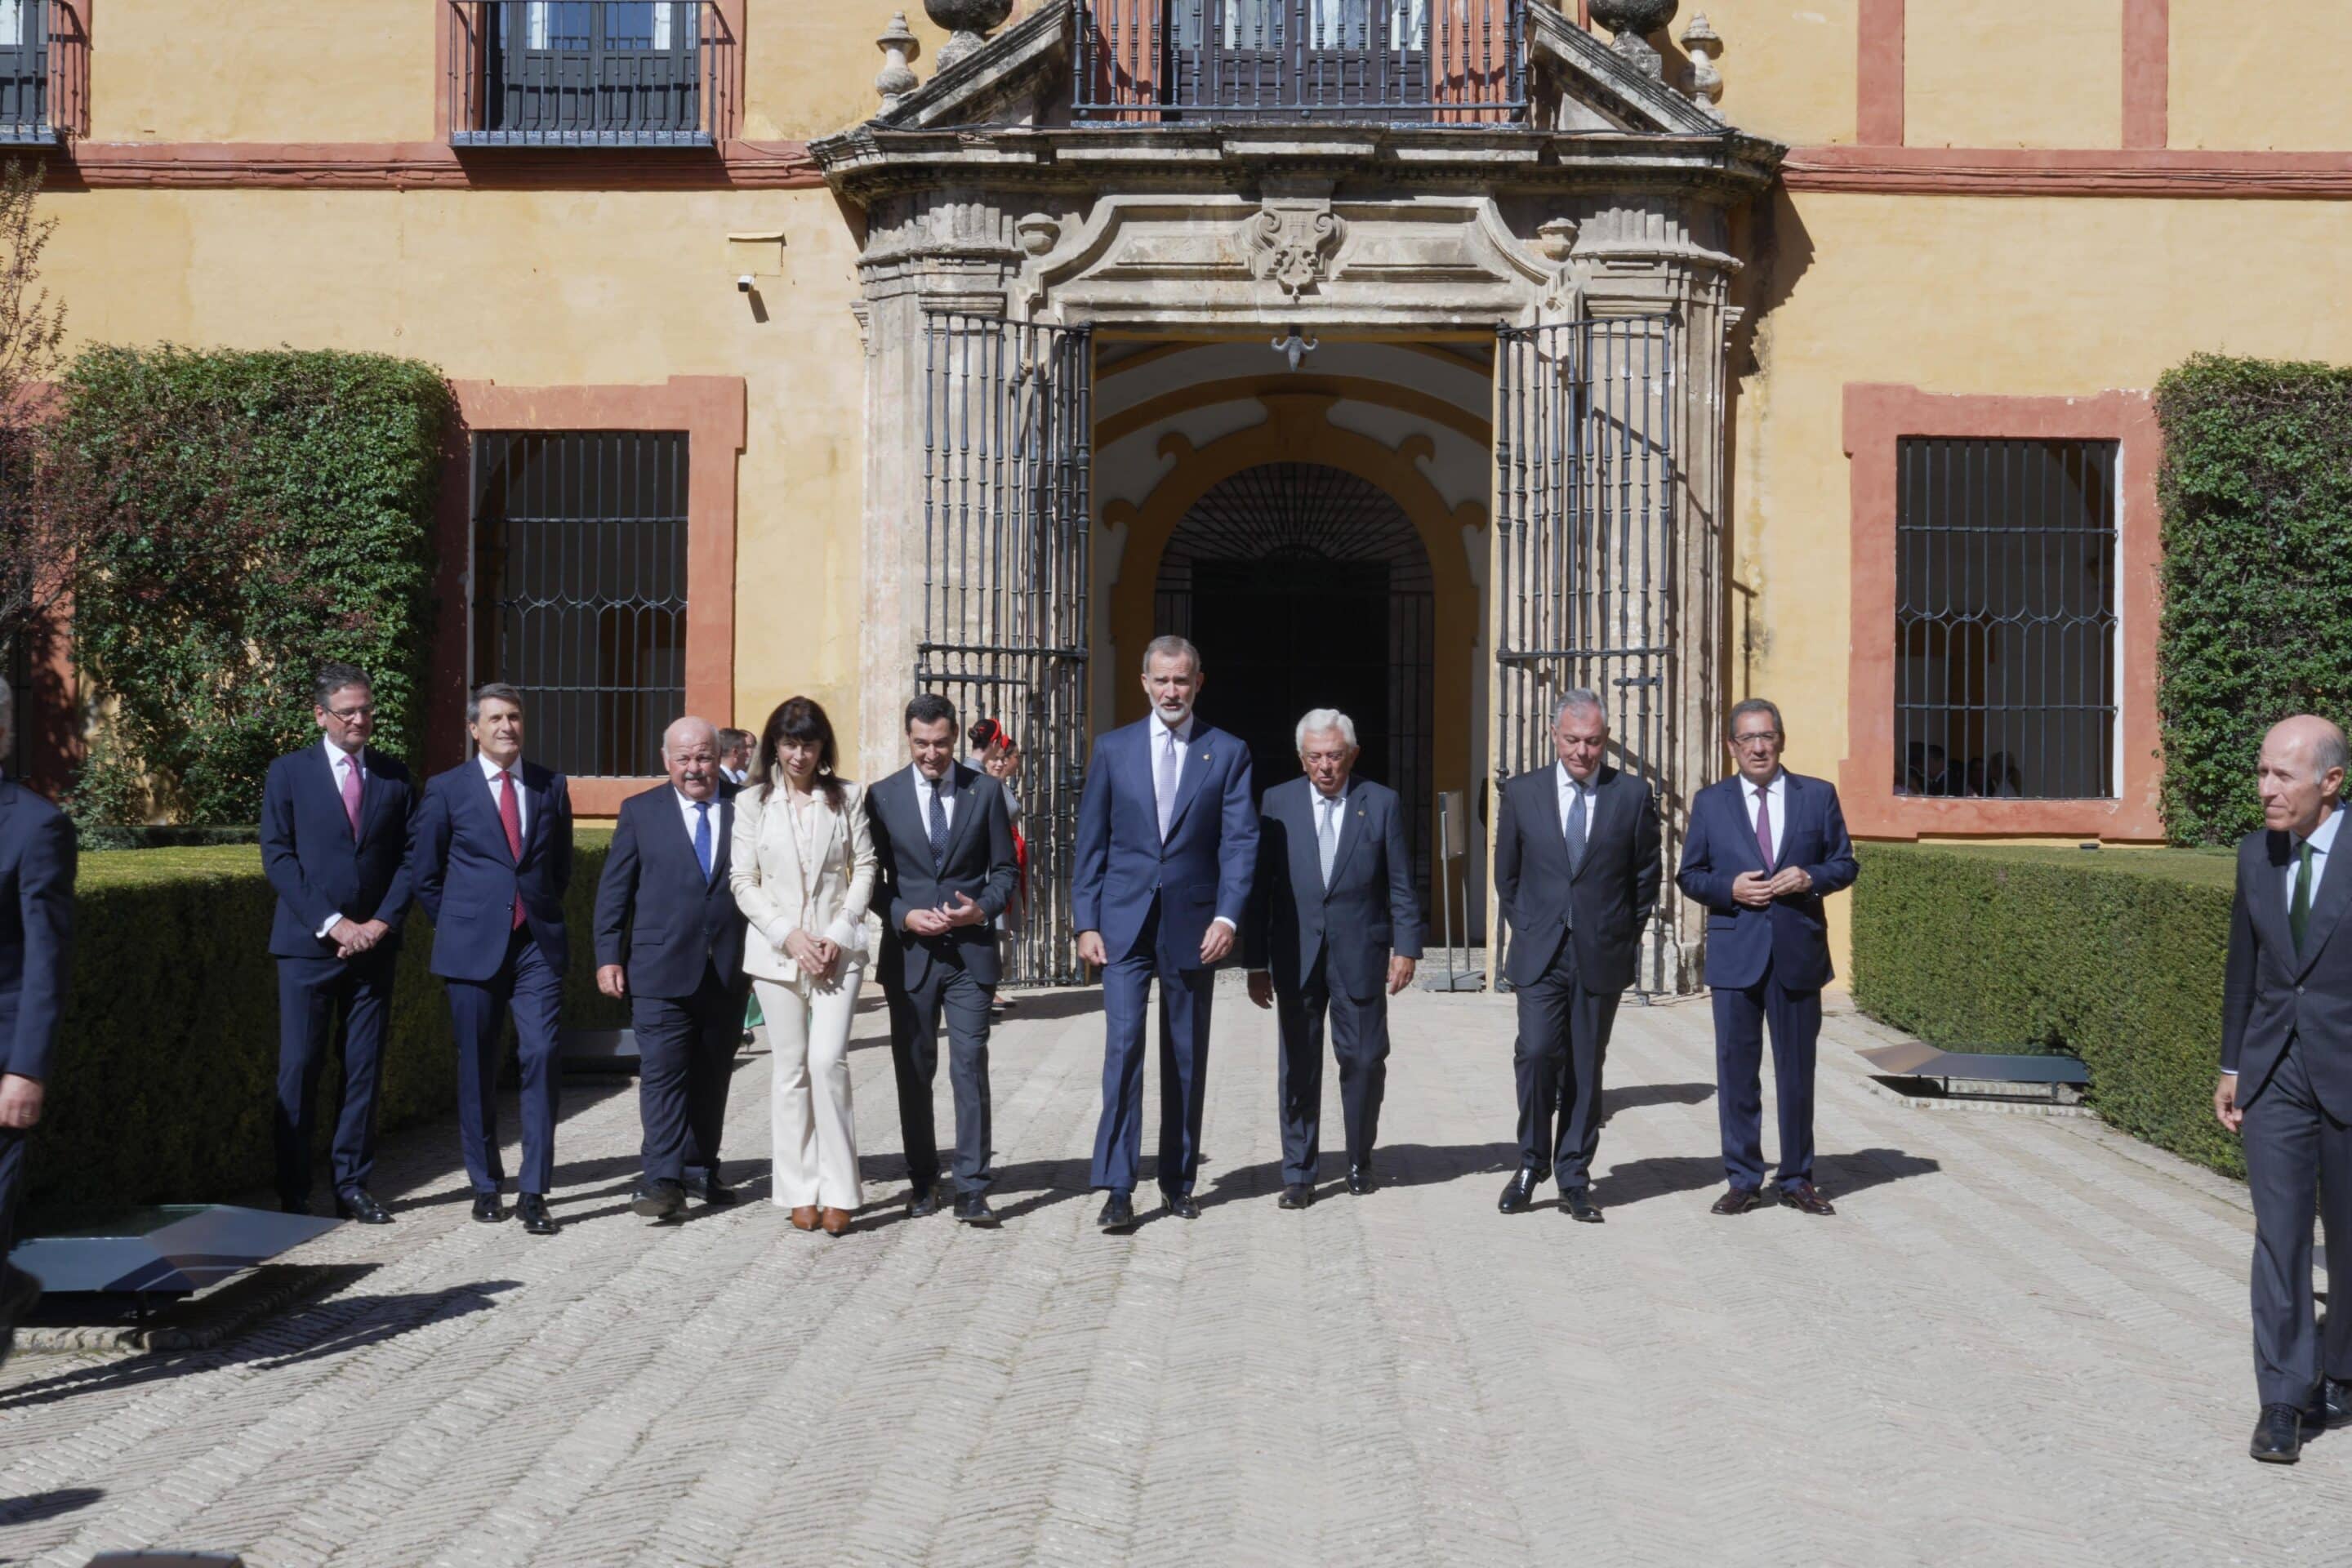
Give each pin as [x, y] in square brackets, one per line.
[803, 874]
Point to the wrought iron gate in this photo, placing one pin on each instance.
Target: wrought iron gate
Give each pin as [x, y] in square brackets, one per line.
[1591, 581]
[1007, 430]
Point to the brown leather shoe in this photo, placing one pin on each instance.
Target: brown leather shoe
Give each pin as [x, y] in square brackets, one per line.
[1738, 1200]
[1803, 1197]
[835, 1222]
[804, 1217]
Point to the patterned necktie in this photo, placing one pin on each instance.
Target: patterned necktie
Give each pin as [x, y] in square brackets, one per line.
[2298, 912]
[511, 817]
[938, 828]
[1576, 827]
[1328, 838]
[1166, 784]
[702, 837]
[351, 792]
[1764, 824]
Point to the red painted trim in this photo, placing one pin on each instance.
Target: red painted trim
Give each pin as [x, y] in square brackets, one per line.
[2147, 72]
[1584, 13]
[425, 165]
[1878, 73]
[1877, 417]
[69, 46]
[2068, 171]
[712, 411]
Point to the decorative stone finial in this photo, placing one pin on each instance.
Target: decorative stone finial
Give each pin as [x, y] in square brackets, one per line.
[970, 20]
[1628, 20]
[1703, 82]
[898, 45]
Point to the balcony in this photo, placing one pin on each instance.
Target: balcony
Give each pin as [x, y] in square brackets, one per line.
[1363, 61]
[44, 65]
[588, 73]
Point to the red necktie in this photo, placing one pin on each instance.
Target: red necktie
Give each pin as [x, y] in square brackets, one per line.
[1764, 825]
[511, 815]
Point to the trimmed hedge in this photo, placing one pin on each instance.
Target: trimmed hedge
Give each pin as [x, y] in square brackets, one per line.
[2115, 956]
[167, 1069]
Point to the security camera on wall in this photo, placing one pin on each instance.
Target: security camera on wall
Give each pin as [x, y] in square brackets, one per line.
[743, 283]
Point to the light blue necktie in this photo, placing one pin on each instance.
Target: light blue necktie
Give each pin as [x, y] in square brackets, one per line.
[1575, 832]
[1328, 838]
[702, 837]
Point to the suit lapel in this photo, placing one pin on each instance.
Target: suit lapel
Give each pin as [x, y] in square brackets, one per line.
[1603, 792]
[488, 793]
[1194, 765]
[2327, 904]
[1351, 829]
[967, 807]
[2266, 895]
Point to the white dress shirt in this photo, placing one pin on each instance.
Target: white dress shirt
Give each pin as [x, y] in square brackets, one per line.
[1570, 788]
[339, 762]
[687, 808]
[490, 771]
[925, 788]
[2322, 839]
[1778, 790]
[1183, 734]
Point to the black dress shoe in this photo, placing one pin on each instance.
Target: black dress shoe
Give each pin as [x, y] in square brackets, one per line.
[2278, 1435]
[972, 1208]
[531, 1209]
[922, 1203]
[711, 1189]
[2331, 1408]
[1359, 1179]
[1118, 1213]
[1805, 1198]
[359, 1204]
[1520, 1193]
[19, 1294]
[1180, 1205]
[660, 1199]
[1296, 1196]
[1578, 1205]
[487, 1209]
[1738, 1200]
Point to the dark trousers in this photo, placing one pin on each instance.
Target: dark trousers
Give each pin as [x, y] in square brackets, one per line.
[1184, 995]
[949, 990]
[686, 1059]
[2298, 1162]
[13, 1144]
[529, 987]
[1741, 1016]
[1563, 1043]
[1359, 1040]
[323, 1004]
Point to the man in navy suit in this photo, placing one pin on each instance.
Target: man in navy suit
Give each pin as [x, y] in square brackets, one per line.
[944, 850]
[1577, 867]
[1335, 929]
[1167, 846]
[334, 841]
[669, 938]
[1765, 847]
[36, 880]
[490, 861]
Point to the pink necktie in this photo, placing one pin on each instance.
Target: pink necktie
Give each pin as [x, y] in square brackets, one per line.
[1764, 825]
[352, 792]
[511, 817]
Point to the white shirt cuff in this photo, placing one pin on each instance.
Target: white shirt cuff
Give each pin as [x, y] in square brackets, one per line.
[1222, 921]
[331, 920]
[2229, 1072]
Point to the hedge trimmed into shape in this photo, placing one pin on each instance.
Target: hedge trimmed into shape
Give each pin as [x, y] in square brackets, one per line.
[167, 1069]
[2115, 956]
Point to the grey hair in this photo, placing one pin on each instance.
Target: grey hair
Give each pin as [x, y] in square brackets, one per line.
[1319, 719]
[493, 691]
[1170, 647]
[334, 678]
[1580, 697]
[2329, 751]
[1754, 705]
[704, 724]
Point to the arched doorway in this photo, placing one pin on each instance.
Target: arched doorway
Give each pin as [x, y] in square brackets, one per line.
[1307, 586]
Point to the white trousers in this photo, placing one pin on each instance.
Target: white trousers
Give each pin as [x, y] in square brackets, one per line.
[812, 1122]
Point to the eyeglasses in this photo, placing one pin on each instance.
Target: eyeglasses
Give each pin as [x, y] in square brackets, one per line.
[1758, 738]
[348, 714]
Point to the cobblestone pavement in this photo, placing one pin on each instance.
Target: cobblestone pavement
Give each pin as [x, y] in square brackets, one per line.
[2021, 1341]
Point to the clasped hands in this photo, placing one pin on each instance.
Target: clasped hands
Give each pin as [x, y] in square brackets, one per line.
[1757, 891]
[960, 911]
[355, 937]
[814, 954]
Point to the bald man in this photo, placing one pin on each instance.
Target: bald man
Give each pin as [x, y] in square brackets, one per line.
[670, 938]
[2286, 1077]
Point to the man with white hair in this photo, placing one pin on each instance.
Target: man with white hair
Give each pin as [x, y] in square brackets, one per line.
[2286, 1077]
[36, 880]
[669, 938]
[1334, 929]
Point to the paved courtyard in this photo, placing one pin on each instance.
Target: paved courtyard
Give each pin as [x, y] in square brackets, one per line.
[2021, 1341]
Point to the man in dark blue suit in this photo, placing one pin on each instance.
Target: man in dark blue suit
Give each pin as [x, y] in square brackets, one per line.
[1335, 929]
[1765, 847]
[36, 880]
[334, 841]
[1167, 847]
[669, 937]
[490, 861]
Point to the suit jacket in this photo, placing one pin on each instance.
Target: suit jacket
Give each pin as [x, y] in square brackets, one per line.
[2270, 995]
[318, 869]
[1202, 871]
[468, 879]
[779, 895]
[979, 864]
[1605, 906]
[37, 882]
[656, 915]
[1791, 933]
[1370, 907]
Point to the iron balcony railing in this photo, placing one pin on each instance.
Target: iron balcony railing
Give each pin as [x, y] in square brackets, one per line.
[39, 69]
[1378, 61]
[588, 73]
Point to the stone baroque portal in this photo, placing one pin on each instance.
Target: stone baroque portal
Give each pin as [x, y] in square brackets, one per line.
[1606, 201]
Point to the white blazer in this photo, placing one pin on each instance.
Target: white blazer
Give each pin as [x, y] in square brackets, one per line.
[779, 895]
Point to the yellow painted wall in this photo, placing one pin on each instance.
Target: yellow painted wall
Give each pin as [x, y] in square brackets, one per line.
[1980, 74]
[809, 65]
[2257, 77]
[263, 70]
[1788, 65]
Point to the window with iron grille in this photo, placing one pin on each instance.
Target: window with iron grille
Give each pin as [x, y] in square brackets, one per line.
[24, 26]
[598, 73]
[2005, 618]
[579, 590]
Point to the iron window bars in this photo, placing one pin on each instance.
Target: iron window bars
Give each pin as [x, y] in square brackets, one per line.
[579, 590]
[586, 73]
[2005, 618]
[38, 57]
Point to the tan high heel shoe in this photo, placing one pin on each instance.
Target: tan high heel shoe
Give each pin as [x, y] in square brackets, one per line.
[804, 1217]
[835, 1222]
